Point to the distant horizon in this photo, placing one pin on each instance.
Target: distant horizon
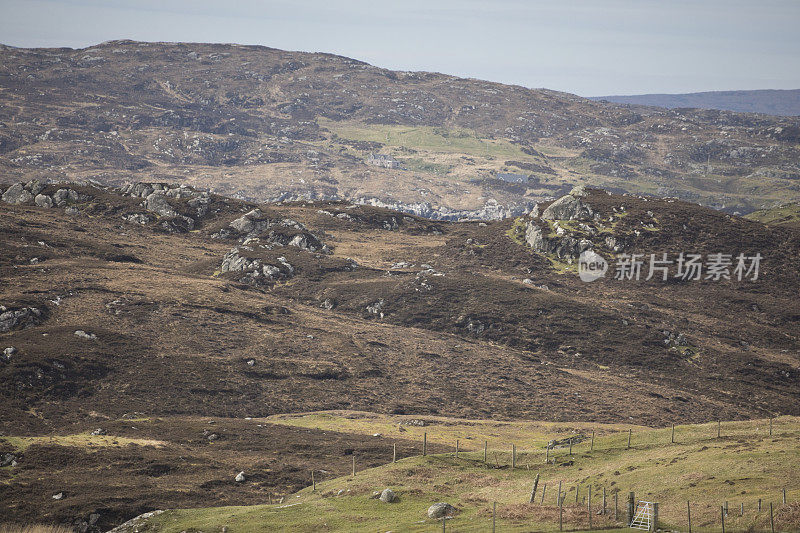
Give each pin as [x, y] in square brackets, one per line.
[583, 47]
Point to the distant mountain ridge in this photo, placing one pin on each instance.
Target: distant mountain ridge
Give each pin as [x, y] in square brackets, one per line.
[768, 101]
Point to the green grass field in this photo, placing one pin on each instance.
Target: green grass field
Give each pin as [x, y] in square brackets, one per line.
[788, 214]
[742, 466]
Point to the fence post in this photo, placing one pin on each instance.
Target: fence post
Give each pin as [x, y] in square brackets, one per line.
[759, 505]
[673, 433]
[689, 515]
[654, 526]
[631, 506]
[722, 515]
[616, 507]
[535, 485]
[394, 452]
[719, 428]
[513, 456]
[425, 444]
[770, 426]
[741, 509]
[485, 447]
[558, 496]
[457, 448]
[784, 495]
[354, 464]
[589, 506]
[494, 514]
[313, 482]
[544, 489]
[444, 524]
[630, 431]
[604, 500]
[771, 520]
[592, 447]
[570, 445]
[726, 508]
[547, 454]
[560, 509]
[577, 490]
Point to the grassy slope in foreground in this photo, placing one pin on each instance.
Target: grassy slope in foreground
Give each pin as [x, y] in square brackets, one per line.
[745, 464]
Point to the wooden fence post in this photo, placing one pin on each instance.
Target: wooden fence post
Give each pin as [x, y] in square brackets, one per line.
[513, 456]
[589, 506]
[570, 445]
[631, 506]
[604, 500]
[577, 490]
[313, 482]
[741, 509]
[719, 428]
[485, 448]
[544, 489]
[722, 515]
[726, 508]
[689, 515]
[784, 495]
[630, 431]
[673, 433]
[457, 443]
[494, 514]
[558, 496]
[759, 505]
[354, 464]
[560, 510]
[654, 525]
[616, 507]
[592, 447]
[547, 454]
[394, 452]
[425, 444]
[770, 426]
[535, 485]
[444, 524]
[771, 520]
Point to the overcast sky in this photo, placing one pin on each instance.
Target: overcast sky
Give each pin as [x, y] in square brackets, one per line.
[587, 47]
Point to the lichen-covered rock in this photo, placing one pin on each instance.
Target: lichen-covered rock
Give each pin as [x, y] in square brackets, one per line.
[387, 496]
[17, 195]
[18, 318]
[157, 203]
[42, 200]
[34, 186]
[568, 207]
[439, 510]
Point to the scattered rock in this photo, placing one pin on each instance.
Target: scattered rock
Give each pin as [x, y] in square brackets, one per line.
[82, 334]
[19, 318]
[34, 186]
[16, 194]
[239, 477]
[439, 510]
[8, 352]
[157, 203]
[59, 496]
[569, 207]
[132, 525]
[42, 200]
[8, 459]
[251, 362]
[388, 496]
[99, 431]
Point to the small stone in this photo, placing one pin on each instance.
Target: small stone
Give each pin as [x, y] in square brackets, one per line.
[58, 496]
[84, 335]
[42, 200]
[99, 431]
[240, 477]
[387, 496]
[251, 362]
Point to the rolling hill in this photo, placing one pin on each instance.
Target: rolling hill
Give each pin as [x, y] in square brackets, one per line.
[766, 101]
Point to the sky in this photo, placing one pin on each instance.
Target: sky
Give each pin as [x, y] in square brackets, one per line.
[586, 47]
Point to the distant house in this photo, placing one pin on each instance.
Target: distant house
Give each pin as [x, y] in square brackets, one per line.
[511, 177]
[383, 160]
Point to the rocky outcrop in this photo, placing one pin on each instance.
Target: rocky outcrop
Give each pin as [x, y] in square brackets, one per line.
[17, 195]
[42, 200]
[570, 207]
[565, 247]
[253, 270]
[64, 197]
[19, 318]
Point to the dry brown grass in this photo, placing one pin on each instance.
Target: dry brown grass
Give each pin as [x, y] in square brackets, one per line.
[32, 528]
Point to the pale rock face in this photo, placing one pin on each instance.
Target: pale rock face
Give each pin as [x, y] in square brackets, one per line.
[568, 208]
[438, 510]
[42, 200]
[17, 195]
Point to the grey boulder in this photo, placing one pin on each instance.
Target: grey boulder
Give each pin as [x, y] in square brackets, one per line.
[16, 195]
[387, 496]
[441, 509]
[42, 200]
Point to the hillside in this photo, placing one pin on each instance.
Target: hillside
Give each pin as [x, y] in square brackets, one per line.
[766, 101]
[162, 315]
[264, 124]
